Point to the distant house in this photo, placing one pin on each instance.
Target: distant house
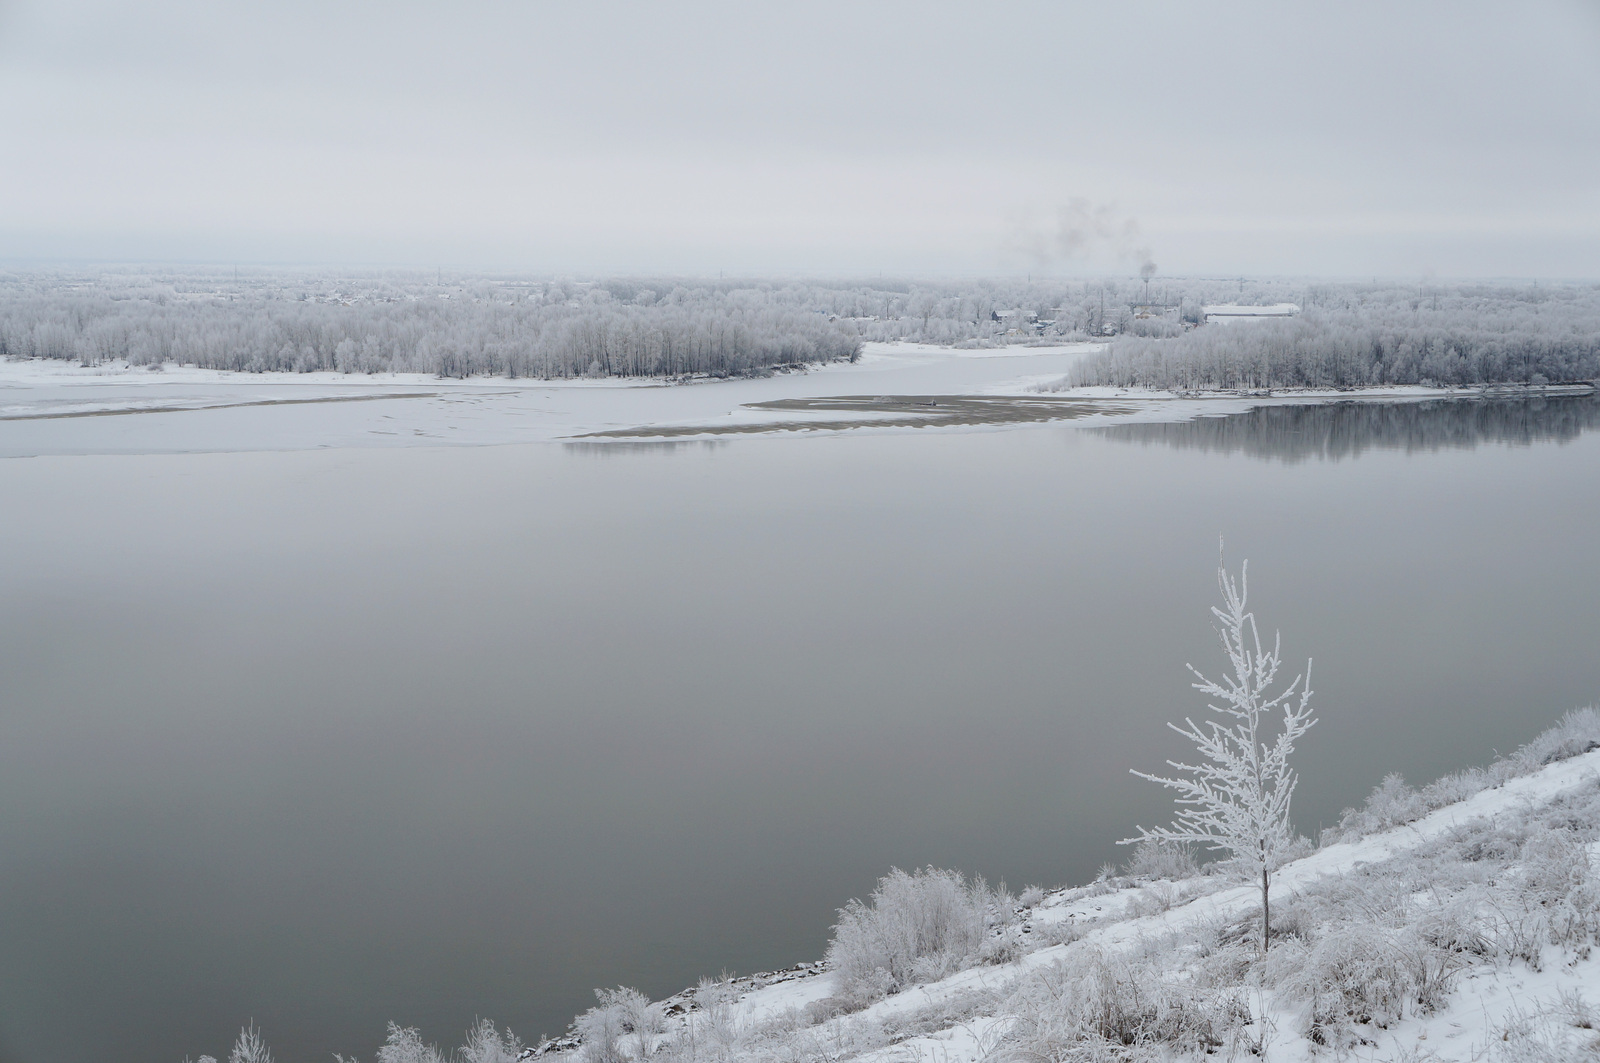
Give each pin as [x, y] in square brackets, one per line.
[1227, 313]
[1020, 322]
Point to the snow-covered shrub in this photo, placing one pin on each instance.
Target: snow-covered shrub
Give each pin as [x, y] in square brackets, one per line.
[1004, 946]
[1564, 1033]
[1577, 733]
[714, 1027]
[1392, 803]
[914, 928]
[1031, 897]
[601, 1029]
[1558, 889]
[820, 1011]
[1162, 896]
[1056, 932]
[485, 1044]
[1093, 1007]
[1362, 975]
[1457, 786]
[1153, 859]
[405, 1045]
[940, 1014]
[1456, 929]
[620, 1011]
[1222, 964]
[250, 1048]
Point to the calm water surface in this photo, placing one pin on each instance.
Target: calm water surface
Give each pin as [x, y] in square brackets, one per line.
[325, 739]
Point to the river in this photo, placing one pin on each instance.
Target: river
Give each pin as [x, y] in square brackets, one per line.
[321, 738]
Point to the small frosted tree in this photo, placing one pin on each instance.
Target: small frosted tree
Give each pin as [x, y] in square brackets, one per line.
[485, 1044]
[250, 1048]
[405, 1045]
[1237, 799]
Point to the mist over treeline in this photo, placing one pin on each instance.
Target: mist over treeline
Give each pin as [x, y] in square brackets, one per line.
[461, 325]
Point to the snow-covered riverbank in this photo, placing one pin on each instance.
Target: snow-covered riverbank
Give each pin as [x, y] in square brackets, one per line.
[53, 407]
[1462, 933]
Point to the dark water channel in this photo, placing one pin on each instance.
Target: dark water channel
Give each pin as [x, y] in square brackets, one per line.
[325, 739]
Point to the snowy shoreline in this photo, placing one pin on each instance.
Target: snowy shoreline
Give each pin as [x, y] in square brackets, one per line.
[1536, 1000]
[60, 408]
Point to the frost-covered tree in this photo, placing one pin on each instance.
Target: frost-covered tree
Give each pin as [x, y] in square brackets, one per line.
[405, 1045]
[1237, 798]
[620, 1011]
[250, 1048]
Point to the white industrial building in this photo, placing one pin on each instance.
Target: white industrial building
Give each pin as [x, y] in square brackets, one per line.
[1228, 312]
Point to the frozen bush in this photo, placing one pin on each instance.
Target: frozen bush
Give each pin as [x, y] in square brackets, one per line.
[1563, 1033]
[600, 1029]
[485, 1044]
[1457, 786]
[1556, 879]
[620, 1011]
[714, 1023]
[1455, 929]
[1153, 859]
[914, 928]
[820, 1011]
[1362, 975]
[1392, 803]
[1032, 896]
[1055, 932]
[1091, 1007]
[405, 1045]
[1006, 946]
[1576, 734]
[940, 1014]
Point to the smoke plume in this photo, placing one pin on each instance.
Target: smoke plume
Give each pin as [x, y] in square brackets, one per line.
[1080, 229]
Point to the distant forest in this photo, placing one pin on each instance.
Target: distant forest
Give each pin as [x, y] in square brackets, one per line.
[1361, 337]
[1348, 335]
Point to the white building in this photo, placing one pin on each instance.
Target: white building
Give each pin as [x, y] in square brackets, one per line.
[1229, 312]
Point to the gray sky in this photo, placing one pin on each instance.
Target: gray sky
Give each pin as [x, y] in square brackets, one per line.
[1403, 139]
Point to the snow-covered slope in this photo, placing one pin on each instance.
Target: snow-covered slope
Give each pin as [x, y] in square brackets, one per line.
[1466, 934]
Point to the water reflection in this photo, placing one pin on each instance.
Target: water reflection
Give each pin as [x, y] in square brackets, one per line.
[1336, 430]
[622, 448]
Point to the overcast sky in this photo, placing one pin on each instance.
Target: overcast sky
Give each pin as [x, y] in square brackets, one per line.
[1335, 139]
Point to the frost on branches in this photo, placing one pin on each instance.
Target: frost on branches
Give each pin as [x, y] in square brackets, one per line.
[1237, 798]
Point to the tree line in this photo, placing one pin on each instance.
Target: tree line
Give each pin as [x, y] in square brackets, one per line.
[467, 324]
[1348, 335]
[548, 332]
[1364, 337]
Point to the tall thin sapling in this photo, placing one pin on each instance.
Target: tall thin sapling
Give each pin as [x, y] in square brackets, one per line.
[1237, 798]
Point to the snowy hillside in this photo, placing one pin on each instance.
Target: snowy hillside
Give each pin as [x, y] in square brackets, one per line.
[1454, 923]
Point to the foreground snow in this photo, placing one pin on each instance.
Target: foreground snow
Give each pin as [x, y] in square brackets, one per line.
[1536, 1000]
